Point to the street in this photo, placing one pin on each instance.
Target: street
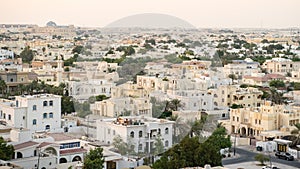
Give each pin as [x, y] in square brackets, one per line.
[244, 156]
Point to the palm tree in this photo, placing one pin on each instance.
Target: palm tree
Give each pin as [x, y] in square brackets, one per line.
[296, 131]
[176, 103]
[3, 87]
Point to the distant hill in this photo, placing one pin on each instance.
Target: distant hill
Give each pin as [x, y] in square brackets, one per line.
[150, 20]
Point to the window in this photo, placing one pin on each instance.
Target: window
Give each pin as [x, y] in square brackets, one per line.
[237, 119]
[166, 143]
[45, 115]
[140, 147]
[45, 103]
[9, 117]
[51, 115]
[167, 130]
[34, 122]
[51, 103]
[47, 127]
[140, 133]
[132, 134]
[34, 107]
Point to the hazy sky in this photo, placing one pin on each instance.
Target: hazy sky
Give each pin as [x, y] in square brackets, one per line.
[201, 13]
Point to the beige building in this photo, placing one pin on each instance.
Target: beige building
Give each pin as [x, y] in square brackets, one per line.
[241, 68]
[125, 106]
[268, 121]
[129, 89]
[227, 95]
[280, 66]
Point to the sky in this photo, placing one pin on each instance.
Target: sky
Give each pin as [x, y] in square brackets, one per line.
[200, 13]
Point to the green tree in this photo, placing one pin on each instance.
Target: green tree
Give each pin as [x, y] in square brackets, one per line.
[3, 87]
[159, 146]
[120, 145]
[232, 76]
[277, 83]
[77, 49]
[6, 151]
[67, 104]
[296, 141]
[94, 159]
[261, 158]
[27, 54]
[191, 153]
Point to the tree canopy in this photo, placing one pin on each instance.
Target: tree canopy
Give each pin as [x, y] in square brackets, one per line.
[191, 153]
[6, 151]
[27, 54]
[94, 159]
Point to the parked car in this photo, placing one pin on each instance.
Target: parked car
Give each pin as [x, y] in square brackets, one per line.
[268, 167]
[284, 155]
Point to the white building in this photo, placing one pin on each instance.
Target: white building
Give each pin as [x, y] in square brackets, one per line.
[137, 131]
[241, 68]
[6, 54]
[40, 112]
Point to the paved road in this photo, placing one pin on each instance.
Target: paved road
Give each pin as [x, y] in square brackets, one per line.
[248, 156]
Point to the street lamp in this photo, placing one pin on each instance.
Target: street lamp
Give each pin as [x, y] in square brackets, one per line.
[269, 145]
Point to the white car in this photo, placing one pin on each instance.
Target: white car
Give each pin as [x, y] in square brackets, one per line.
[268, 167]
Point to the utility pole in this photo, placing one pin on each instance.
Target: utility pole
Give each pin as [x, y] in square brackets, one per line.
[234, 144]
[38, 164]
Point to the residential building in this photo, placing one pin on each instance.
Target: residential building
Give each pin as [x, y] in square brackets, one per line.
[125, 106]
[280, 65]
[41, 112]
[141, 132]
[227, 95]
[268, 121]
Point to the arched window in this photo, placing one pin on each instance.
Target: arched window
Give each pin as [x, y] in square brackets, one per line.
[132, 134]
[45, 103]
[34, 107]
[19, 155]
[140, 133]
[45, 115]
[166, 143]
[47, 127]
[51, 115]
[9, 117]
[167, 130]
[34, 122]
[51, 103]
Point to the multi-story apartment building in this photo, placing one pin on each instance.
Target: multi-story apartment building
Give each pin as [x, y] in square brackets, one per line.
[227, 95]
[262, 79]
[267, 121]
[13, 78]
[115, 107]
[280, 66]
[129, 89]
[141, 132]
[241, 68]
[40, 112]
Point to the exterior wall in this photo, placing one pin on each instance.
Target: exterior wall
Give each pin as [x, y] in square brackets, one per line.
[32, 162]
[107, 131]
[228, 95]
[122, 106]
[22, 112]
